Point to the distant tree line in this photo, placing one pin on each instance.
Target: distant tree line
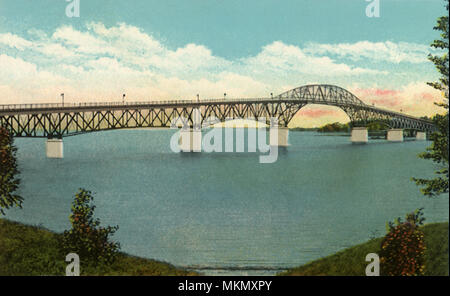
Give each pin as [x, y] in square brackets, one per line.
[334, 127]
[346, 127]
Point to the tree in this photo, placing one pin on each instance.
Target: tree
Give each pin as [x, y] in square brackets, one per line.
[87, 238]
[438, 151]
[9, 181]
[403, 247]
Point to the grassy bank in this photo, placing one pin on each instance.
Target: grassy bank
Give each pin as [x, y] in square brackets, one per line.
[30, 250]
[351, 261]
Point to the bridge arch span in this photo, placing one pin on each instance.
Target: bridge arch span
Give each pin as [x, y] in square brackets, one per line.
[322, 94]
[60, 120]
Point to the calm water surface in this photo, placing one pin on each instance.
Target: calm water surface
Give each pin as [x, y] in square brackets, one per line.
[225, 213]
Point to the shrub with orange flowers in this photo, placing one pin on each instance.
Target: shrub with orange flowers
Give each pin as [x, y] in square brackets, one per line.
[403, 248]
[9, 181]
[86, 237]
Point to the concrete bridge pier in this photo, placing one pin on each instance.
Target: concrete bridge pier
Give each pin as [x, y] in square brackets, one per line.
[395, 135]
[359, 135]
[421, 136]
[279, 136]
[191, 140]
[54, 148]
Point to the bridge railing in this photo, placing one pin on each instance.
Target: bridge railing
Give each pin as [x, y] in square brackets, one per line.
[13, 107]
[18, 107]
[46, 106]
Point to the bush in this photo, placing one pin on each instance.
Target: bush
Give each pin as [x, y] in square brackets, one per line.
[403, 248]
[87, 238]
[334, 127]
[9, 182]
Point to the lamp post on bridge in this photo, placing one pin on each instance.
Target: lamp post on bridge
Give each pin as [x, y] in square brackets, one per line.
[123, 99]
[225, 95]
[62, 98]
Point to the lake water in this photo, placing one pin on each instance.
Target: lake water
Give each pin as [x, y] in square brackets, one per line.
[225, 213]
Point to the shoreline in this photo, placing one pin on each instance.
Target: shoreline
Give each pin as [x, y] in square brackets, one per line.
[351, 261]
[33, 250]
[342, 262]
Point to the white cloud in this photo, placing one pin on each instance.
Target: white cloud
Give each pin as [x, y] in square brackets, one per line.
[24, 82]
[14, 41]
[42, 45]
[55, 50]
[101, 63]
[23, 74]
[13, 69]
[376, 51]
[125, 37]
[289, 59]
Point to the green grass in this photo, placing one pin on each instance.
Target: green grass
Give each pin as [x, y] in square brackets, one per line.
[31, 250]
[351, 261]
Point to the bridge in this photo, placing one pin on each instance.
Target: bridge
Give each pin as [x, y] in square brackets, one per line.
[55, 121]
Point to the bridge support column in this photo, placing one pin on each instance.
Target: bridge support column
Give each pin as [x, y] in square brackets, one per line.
[191, 140]
[421, 136]
[54, 148]
[395, 135]
[279, 136]
[359, 135]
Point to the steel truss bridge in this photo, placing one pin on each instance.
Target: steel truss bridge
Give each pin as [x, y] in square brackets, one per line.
[60, 120]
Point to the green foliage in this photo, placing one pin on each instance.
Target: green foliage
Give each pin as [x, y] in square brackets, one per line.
[351, 261]
[441, 62]
[29, 250]
[376, 126]
[9, 181]
[87, 238]
[345, 127]
[436, 253]
[334, 127]
[403, 248]
[438, 151]
[303, 129]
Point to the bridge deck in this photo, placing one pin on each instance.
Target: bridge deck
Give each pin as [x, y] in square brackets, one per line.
[8, 109]
[61, 119]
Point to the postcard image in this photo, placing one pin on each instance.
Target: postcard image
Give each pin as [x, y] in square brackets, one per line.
[224, 138]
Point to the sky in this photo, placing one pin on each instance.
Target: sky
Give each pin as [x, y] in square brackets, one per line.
[173, 49]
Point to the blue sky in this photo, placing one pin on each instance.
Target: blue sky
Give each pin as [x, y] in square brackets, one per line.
[236, 28]
[176, 49]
